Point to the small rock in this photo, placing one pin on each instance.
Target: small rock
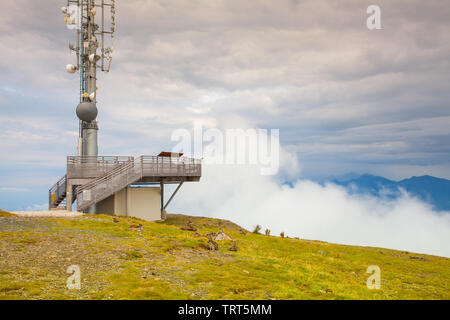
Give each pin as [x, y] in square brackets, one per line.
[211, 236]
[189, 226]
[418, 258]
[321, 252]
[221, 236]
[245, 271]
[233, 246]
[213, 245]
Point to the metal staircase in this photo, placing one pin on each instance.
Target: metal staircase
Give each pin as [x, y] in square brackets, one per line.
[97, 178]
[57, 195]
[108, 184]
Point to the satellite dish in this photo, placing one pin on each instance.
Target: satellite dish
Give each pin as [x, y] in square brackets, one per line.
[70, 68]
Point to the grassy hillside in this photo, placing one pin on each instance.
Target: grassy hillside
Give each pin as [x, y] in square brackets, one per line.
[162, 261]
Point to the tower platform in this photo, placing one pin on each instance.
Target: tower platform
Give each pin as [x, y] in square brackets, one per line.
[94, 180]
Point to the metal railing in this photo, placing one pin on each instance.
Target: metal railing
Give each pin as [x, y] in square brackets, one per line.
[57, 193]
[154, 166]
[130, 172]
[92, 167]
[106, 185]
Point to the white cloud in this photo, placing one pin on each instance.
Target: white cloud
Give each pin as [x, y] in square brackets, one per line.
[311, 211]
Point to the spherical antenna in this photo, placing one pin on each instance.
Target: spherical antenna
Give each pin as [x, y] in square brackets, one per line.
[87, 111]
[70, 68]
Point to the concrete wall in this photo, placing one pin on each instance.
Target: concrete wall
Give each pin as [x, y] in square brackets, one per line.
[142, 203]
[106, 206]
[120, 202]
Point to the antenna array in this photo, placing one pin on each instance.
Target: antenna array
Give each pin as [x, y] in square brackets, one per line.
[92, 36]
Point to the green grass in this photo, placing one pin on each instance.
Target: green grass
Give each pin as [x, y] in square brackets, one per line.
[161, 261]
[5, 214]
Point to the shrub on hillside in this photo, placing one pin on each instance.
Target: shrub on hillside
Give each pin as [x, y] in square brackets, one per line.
[257, 229]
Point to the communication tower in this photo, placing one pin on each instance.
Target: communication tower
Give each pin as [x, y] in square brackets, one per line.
[118, 185]
[95, 25]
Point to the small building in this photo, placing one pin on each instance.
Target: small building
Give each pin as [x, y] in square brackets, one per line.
[123, 186]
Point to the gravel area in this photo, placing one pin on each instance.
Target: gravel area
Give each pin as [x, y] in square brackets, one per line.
[49, 214]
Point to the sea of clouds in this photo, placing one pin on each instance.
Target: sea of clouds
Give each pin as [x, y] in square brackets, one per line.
[309, 210]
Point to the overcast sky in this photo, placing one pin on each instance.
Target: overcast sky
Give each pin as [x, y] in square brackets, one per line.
[345, 98]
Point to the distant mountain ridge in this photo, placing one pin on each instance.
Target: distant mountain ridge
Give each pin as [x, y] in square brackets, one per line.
[432, 190]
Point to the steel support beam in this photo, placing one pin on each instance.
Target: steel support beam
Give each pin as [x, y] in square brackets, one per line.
[69, 196]
[173, 195]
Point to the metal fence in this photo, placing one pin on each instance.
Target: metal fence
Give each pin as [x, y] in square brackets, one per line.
[128, 172]
[92, 167]
[170, 167]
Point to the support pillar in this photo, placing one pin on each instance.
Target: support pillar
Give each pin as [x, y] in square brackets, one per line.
[90, 149]
[128, 201]
[163, 211]
[69, 195]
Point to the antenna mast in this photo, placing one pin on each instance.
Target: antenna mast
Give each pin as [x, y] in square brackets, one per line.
[80, 15]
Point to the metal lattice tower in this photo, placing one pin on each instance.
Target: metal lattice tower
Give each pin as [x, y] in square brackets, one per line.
[94, 22]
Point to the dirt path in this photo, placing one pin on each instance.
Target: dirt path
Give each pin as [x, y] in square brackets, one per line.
[49, 214]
